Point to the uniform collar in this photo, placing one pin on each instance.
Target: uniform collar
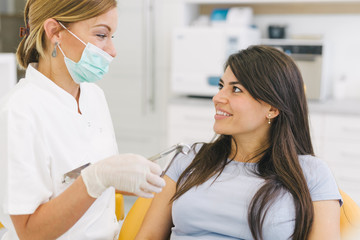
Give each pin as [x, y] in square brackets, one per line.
[37, 78]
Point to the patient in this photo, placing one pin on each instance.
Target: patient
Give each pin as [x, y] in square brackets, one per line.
[259, 179]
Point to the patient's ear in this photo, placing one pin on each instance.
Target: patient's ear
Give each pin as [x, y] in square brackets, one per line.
[272, 113]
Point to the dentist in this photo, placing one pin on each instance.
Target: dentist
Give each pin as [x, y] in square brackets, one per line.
[56, 120]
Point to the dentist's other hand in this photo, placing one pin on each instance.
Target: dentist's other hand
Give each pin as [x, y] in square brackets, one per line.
[125, 172]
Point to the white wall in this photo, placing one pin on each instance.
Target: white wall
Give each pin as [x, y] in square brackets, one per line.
[139, 125]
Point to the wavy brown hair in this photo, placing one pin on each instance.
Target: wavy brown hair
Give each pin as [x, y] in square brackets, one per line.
[36, 12]
[271, 76]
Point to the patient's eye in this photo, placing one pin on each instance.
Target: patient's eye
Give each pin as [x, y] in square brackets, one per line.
[220, 86]
[236, 89]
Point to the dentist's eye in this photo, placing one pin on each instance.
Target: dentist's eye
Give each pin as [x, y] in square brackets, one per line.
[101, 35]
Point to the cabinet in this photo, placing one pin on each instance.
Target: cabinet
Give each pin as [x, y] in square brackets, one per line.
[12, 7]
[193, 8]
[189, 123]
[335, 137]
[11, 19]
[339, 139]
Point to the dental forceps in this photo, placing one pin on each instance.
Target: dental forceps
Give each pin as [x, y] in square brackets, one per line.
[179, 148]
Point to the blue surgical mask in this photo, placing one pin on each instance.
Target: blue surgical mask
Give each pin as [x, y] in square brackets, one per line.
[93, 65]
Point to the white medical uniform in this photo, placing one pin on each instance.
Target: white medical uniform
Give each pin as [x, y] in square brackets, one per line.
[42, 136]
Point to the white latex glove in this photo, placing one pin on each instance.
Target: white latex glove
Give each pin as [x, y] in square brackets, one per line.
[126, 172]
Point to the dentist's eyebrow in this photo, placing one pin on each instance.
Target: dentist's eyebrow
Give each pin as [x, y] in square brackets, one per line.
[103, 25]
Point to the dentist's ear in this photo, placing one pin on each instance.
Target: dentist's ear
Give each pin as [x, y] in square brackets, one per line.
[52, 30]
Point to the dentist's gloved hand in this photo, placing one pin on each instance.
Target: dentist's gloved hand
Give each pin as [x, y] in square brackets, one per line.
[126, 172]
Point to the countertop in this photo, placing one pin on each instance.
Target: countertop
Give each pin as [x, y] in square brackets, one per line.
[329, 106]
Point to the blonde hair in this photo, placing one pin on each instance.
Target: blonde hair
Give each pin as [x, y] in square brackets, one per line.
[36, 12]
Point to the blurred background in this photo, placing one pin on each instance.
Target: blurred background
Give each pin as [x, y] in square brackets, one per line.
[170, 55]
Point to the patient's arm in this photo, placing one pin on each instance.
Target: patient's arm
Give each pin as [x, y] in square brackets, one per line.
[326, 223]
[158, 222]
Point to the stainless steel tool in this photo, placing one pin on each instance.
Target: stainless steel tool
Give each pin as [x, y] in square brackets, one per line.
[73, 174]
[179, 148]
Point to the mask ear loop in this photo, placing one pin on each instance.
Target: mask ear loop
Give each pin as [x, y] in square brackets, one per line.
[72, 33]
[61, 50]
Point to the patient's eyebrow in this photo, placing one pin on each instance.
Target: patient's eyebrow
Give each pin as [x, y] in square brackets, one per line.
[230, 83]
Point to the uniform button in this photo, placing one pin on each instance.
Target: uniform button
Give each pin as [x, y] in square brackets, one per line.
[67, 179]
[89, 124]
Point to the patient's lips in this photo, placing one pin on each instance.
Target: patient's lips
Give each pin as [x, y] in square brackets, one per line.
[222, 114]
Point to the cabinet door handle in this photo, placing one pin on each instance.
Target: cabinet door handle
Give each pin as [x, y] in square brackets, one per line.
[352, 156]
[148, 78]
[351, 130]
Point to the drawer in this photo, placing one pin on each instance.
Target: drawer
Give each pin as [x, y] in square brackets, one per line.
[350, 176]
[342, 153]
[350, 189]
[318, 147]
[348, 181]
[317, 125]
[191, 115]
[186, 126]
[189, 136]
[354, 194]
[342, 127]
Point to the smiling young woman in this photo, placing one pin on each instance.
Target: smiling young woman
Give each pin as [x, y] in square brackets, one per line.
[259, 179]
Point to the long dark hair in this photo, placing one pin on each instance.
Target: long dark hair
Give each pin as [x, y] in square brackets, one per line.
[271, 76]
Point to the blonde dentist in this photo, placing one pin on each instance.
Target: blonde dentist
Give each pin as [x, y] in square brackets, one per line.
[56, 120]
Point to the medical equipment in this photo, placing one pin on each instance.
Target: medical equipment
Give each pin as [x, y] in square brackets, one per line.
[179, 148]
[311, 57]
[73, 174]
[199, 54]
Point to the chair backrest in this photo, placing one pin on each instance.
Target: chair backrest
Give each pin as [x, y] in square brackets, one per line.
[349, 217]
[134, 219]
[119, 206]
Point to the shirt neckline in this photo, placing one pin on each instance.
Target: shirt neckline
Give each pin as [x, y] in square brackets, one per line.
[40, 80]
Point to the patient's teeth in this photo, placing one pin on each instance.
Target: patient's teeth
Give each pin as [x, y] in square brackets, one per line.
[222, 113]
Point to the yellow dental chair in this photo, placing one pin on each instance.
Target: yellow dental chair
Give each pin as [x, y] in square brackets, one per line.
[349, 217]
[119, 206]
[134, 219]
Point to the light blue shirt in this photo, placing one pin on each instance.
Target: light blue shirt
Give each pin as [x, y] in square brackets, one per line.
[218, 210]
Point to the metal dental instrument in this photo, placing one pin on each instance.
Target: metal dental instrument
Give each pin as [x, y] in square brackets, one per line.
[179, 148]
[73, 174]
